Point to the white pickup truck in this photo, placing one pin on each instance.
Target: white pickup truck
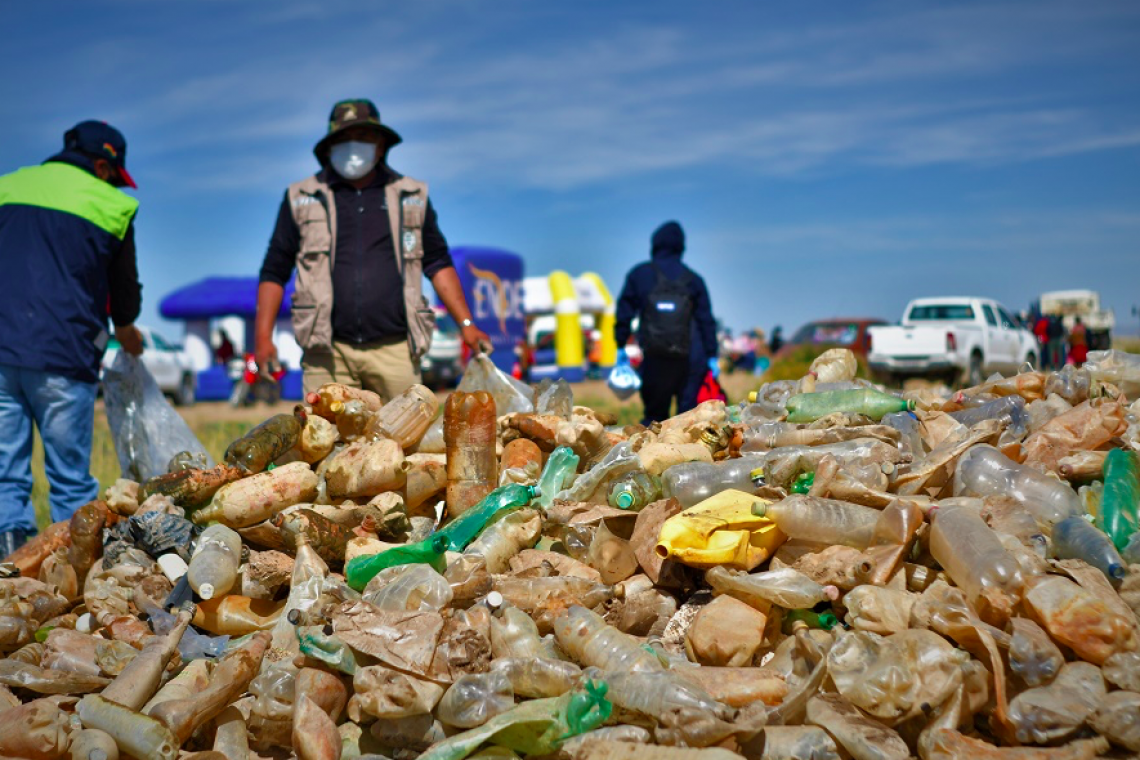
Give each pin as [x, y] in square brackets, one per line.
[957, 338]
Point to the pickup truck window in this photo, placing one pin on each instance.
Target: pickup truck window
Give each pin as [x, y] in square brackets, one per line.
[991, 320]
[941, 311]
[1006, 321]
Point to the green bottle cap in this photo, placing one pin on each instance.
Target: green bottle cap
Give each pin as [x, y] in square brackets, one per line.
[828, 620]
[624, 500]
[910, 404]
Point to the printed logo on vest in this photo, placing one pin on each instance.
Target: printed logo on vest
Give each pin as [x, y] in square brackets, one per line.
[409, 242]
[666, 306]
[305, 200]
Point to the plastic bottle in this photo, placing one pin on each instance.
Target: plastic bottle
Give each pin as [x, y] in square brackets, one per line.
[214, 564]
[618, 461]
[504, 538]
[693, 482]
[809, 407]
[784, 587]
[324, 397]
[1075, 538]
[972, 555]
[360, 570]
[255, 450]
[657, 693]
[1054, 712]
[586, 637]
[826, 521]
[634, 491]
[985, 471]
[1121, 500]
[1010, 410]
[823, 620]
[408, 588]
[537, 677]
[352, 417]
[554, 398]
[1032, 654]
[536, 594]
[473, 699]
[461, 531]
[405, 418]
[556, 475]
[514, 635]
[908, 426]
[470, 434]
[721, 530]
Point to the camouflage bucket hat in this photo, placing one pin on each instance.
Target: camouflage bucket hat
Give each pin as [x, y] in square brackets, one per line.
[357, 112]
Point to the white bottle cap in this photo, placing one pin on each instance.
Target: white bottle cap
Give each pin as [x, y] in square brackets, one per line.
[206, 591]
[85, 623]
[495, 599]
[172, 566]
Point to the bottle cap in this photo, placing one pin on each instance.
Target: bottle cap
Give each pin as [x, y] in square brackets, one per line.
[757, 474]
[752, 397]
[624, 500]
[206, 591]
[494, 599]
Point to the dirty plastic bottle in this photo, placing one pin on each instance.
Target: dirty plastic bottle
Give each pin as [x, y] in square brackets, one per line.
[324, 397]
[826, 521]
[470, 434]
[618, 461]
[358, 571]
[634, 491]
[533, 594]
[408, 588]
[1010, 410]
[985, 471]
[692, 482]
[214, 565]
[255, 450]
[586, 637]
[1121, 500]
[352, 417]
[809, 407]
[514, 635]
[461, 531]
[405, 418]
[656, 693]
[537, 677]
[557, 474]
[972, 555]
[1050, 713]
[1075, 538]
[784, 587]
[1032, 654]
[475, 698]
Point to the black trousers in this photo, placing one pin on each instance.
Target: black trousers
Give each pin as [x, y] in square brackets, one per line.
[663, 379]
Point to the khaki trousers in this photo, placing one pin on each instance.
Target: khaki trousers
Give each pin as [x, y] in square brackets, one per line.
[383, 367]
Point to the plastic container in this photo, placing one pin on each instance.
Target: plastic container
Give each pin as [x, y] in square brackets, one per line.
[985, 471]
[658, 693]
[721, 530]
[470, 434]
[360, 570]
[973, 556]
[537, 677]
[476, 698]
[352, 417]
[514, 635]
[1032, 654]
[255, 450]
[586, 637]
[693, 482]
[1009, 410]
[784, 587]
[1121, 500]
[809, 407]
[408, 588]
[322, 399]
[405, 418]
[1075, 538]
[214, 565]
[634, 491]
[826, 521]
[556, 475]
[592, 485]
[461, 531]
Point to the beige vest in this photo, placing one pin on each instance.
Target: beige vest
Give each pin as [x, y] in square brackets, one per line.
[314, 211]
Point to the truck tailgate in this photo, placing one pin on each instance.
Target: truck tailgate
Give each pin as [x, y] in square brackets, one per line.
[903, 342]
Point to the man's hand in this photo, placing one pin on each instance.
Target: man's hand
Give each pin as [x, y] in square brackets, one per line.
[130, 339]
[264, 352]
[477, 340]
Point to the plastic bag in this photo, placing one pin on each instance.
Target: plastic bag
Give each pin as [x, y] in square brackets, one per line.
[711, 390]
[510, 396]
[624, 380]
[146, 429]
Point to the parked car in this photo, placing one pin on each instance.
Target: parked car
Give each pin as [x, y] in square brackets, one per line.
[442, 365]
[167, 363]
[850, 333]
[956, 338]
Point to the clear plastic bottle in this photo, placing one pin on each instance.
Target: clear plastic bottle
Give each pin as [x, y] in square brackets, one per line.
[408, 588]
[656, 693]
[537, 677]
[532, 594]
[908, 426]
[590, 640]
[692, 482]
[781, 466]
[619, 461]
[1075, 538]
[1054, 712]
[1010, 410]
[809, 407]
[634, 491]
[1032, 654]
[475, 698]
[514, 635]
[985, 471]
[214, 565]
[972, 554]
[557, 474]
[826, 521]
[784, 587]
[405, 418]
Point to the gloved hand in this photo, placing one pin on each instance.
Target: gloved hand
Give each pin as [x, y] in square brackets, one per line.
[714, 367]
[622, 356]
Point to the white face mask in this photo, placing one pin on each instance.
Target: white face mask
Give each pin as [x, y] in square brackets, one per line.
[352, 159]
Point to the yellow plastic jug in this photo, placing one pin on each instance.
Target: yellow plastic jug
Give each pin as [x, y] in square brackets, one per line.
[721, 530]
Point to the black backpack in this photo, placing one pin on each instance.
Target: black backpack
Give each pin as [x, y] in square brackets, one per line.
[667, 317]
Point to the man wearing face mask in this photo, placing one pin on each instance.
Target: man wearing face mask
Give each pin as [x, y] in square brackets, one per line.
[67, 242]
[361, 237]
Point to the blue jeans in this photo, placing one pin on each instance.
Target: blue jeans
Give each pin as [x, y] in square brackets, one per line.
[63, 410]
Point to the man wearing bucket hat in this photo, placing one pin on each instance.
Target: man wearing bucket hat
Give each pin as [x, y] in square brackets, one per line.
[360, 237]
[67, 243]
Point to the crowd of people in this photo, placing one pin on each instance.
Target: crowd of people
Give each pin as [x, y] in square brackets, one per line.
[1059, 346]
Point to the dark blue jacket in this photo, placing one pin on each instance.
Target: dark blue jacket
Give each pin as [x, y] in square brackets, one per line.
[67, 247]
[668, 245]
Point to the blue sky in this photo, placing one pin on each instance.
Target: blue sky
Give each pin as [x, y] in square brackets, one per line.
[824, 158]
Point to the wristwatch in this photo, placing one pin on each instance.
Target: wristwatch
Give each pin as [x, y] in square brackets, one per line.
[466, 323]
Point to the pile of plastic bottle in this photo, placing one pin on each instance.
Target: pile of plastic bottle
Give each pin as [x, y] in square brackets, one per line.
[826, 570]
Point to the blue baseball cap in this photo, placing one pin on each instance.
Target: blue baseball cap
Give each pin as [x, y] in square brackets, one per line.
[100, 139]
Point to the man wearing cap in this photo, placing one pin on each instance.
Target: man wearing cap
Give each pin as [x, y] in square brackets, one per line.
[361, 237]
[68, 246]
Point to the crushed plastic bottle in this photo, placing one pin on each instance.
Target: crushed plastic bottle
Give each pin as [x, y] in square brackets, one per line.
[809, 407]
[985, 471]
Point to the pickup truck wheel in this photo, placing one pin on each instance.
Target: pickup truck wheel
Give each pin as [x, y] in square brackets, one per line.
[186, 394]
[973, 374]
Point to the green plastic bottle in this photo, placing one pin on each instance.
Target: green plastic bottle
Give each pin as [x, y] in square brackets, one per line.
[809, 407]
[560, 468]
[1119, 505]
[803, 483]
[466, 528]
[825, 620]
[360, 570]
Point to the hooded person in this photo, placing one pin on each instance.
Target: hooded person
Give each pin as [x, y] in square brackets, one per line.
[360, 237]
[676, 324]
